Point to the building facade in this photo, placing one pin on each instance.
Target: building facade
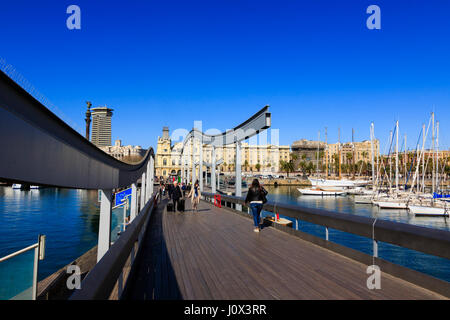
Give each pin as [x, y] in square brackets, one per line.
[124, 153]
[101, 126]
[254, 158]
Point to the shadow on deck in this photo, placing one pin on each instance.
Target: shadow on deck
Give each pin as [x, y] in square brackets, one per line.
[214, 254]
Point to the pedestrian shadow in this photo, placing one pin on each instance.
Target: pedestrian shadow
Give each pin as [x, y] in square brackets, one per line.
[155, 277]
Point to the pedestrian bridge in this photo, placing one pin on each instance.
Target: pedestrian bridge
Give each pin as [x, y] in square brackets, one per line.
[213, 254]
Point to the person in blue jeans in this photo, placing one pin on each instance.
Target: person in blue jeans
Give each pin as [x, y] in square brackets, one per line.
[256, 196]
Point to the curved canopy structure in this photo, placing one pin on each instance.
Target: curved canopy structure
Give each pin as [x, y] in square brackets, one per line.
[251, 127]
[39, 148]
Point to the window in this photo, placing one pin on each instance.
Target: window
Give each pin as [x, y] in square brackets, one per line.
[164, 163]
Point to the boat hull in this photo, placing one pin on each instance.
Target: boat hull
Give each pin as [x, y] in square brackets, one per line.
[391, 204]
[313, 192]
[428, 211]
[337, 183]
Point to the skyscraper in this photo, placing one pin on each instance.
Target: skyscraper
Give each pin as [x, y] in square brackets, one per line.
[101, 126]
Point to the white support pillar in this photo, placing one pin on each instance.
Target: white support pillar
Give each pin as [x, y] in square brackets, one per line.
[104, 227]
[182, 167]
[218, 178]
[148, 180]
[152, 176]
[238, 171]
[193, 160]
[200, 163]
[133, 205]
[213, 170]
[143, 191]
[188, 171]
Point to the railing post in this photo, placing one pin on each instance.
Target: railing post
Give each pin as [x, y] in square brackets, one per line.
[143, 190]
[104, 228]
[148, 180]
[375, 248]
[152, 176]
[133, 205]
[238, 178]
[200, 163]
[37, 257]
[193, 159]
[213, 170]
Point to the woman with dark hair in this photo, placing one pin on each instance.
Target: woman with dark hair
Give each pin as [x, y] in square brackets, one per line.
[195, 195]
[256, 196]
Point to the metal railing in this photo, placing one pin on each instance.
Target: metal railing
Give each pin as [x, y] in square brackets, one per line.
[44, 150]
[39, 254]
[430, 241]
[116, 266]
[425, 240]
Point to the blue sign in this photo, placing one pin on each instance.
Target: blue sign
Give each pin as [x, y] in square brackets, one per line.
[119, 198]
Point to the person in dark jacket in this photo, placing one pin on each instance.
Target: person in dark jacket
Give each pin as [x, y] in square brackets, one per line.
[255, 197]
[176, 196]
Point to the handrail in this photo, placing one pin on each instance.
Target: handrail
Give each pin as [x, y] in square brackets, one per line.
[100, 281]
[426, 240]
[41, 149]
[12, 255]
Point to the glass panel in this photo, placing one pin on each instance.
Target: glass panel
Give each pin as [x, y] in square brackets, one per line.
[117, 222]
[16, 277]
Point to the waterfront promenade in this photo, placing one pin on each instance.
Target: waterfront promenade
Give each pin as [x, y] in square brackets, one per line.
[214, 254]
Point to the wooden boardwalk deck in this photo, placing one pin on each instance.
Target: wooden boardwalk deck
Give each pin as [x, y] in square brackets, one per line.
[214, 254]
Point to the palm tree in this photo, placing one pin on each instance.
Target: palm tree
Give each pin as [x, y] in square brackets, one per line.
[246, 165]
[294, 158]
[286, 166]
[349, 161]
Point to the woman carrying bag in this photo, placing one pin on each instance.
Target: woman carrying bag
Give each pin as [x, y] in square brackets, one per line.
[195, 195]
[256, 196]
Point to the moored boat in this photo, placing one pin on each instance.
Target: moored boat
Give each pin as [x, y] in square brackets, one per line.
[321, 192]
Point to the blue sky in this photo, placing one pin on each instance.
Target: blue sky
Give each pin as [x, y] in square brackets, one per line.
[159, 63]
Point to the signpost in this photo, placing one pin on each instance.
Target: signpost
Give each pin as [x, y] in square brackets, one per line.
[121, 196]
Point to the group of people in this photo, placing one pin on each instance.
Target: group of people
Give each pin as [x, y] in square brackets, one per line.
[177, 192]
[255, 199]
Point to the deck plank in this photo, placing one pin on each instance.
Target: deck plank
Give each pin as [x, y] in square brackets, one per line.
[214, 254]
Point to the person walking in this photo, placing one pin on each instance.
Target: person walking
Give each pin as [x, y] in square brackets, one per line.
[195, 195]
[176, 196]
[256, 197]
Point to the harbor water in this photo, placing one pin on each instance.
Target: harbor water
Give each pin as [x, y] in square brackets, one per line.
[431, 265]
[69, 219]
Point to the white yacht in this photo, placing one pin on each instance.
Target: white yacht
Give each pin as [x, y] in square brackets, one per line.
[317, 191]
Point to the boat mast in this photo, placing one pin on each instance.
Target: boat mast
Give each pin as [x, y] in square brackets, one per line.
[317, 163]
[405, 160]
[373, 155]
[423, 163]
[339, 151]
[437, 155]
[432, 154]
[396, 156]
[326, 154]
[353, 152]
[390, 160]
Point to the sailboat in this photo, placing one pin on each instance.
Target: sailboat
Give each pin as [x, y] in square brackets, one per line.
[319, 189]
[340, 183]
